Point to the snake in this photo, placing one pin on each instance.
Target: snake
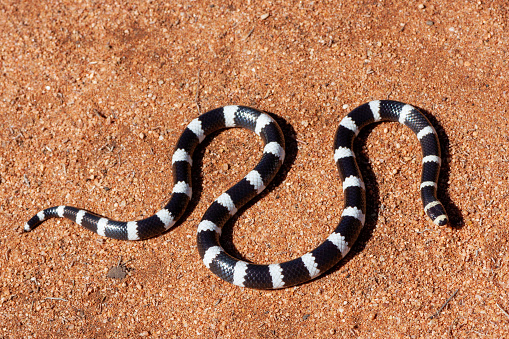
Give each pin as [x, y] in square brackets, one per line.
[293, 272]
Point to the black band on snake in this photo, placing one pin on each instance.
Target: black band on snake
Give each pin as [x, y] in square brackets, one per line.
[311, 264]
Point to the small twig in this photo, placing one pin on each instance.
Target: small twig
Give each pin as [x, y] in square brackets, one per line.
[249, 33]
[445, 304]
[101, 304]
[25, 178]
[99, 113]
[503, 311]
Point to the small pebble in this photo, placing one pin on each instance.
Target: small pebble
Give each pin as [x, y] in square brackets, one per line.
[117, 272]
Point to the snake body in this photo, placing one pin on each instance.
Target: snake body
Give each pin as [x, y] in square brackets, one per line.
[298, 270]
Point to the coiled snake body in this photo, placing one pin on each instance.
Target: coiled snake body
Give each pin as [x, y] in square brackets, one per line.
[298, 270]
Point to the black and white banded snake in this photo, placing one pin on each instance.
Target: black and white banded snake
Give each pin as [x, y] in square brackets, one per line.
[295, 271]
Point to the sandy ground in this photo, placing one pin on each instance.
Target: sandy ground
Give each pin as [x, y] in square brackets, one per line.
[94, 94]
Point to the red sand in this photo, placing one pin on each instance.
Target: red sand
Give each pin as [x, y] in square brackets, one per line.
[93, 96]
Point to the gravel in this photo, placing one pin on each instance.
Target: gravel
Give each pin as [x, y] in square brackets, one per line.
[93, 96]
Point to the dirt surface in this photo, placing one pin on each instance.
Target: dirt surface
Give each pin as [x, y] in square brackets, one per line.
[94, 94]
